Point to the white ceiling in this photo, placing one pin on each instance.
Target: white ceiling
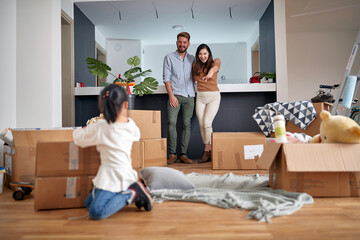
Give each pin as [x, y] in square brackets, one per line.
[210, 20]
[152, 21]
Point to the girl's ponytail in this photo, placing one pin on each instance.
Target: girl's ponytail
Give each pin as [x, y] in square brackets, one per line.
[111, 100]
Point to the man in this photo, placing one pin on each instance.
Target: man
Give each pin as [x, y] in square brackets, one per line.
[179, 85]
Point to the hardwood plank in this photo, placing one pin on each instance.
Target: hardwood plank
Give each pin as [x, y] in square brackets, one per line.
[327, 218]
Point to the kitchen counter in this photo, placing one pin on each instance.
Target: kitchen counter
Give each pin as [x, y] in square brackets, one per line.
[231, 88]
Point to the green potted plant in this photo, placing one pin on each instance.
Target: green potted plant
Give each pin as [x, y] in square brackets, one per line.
[147, 86]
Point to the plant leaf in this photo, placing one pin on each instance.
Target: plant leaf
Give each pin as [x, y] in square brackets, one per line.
[136, 60]
[97, 67]
[148, 86]
[128, 73]
[130, 61]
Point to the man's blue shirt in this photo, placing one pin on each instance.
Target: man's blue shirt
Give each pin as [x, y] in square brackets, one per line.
[178, 72]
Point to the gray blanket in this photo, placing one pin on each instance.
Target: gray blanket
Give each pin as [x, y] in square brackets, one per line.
[249, 192]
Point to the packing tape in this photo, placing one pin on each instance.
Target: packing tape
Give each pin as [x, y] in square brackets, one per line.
[70, 187]
[238, 160]
[353, 185]
[154, 117]
[300, 182]
[220, 160]
[163, 144]
[73, 156]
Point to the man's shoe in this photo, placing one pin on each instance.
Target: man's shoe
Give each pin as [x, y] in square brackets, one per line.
[172, 159]
[143, 198]
[185, 159]
[206, 157]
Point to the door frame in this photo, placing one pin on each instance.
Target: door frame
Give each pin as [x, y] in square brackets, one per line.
[67, 68]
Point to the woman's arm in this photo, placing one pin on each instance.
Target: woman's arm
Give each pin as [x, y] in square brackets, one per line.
[215, 68]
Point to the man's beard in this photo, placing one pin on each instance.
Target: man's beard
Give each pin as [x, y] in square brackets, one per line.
[182, 51]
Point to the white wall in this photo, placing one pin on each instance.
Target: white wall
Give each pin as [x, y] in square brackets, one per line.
[233, 57]
[100, 39]
[282, 93]
[253, 38]
[68, 7]
[118, 52]
[56, 78]
[38, 63]
[7, 67]
[316, 58]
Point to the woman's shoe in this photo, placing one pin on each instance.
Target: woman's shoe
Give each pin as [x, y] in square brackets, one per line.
[206, 157]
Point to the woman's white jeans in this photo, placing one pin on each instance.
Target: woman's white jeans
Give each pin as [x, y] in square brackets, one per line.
[207, 106]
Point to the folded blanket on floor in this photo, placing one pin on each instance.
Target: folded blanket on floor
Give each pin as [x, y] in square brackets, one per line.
[301, 113]
[249, 192]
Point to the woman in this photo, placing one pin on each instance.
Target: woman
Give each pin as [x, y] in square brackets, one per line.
[204, 72]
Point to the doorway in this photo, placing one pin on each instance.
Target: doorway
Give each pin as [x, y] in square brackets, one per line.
[255, 57]
[100, 54]
[67, 70]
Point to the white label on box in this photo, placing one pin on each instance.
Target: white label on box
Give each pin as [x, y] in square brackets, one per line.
[73, 156]
[8, 162]
[250, 151]
[71, 187]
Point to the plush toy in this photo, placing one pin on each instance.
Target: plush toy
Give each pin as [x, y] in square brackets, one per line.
[337, 129]
[95, 119]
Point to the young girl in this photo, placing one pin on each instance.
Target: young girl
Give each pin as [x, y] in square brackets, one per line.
[115, 184]
[204, 72]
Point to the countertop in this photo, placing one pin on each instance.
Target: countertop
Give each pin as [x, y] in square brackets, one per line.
[224, 88]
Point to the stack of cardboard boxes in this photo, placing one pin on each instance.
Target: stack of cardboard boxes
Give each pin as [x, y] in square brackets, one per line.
[154, 147]
[62, 171]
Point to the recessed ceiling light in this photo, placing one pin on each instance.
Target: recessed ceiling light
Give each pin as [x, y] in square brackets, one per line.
[178, 27]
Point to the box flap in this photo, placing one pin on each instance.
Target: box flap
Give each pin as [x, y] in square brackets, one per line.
[238, 135]
[29, 137]
[351, 156]
[268, 155]
[329, 157]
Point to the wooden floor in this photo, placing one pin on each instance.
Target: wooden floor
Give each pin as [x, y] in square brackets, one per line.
[327, 218]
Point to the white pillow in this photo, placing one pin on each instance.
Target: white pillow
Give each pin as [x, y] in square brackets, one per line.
[165, 178]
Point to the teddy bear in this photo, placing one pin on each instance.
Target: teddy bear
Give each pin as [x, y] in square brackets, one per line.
[337, 129]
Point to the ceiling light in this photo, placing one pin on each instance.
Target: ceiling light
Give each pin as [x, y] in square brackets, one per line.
[178, 27]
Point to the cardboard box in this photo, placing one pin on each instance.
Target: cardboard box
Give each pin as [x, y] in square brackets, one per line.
[61, 192]
[314, 126]
[149, 122]
[65, 159]
[63, 173]
[321, 170]
[20, 159]
[137, 156]
[236, 150]
[155, 152]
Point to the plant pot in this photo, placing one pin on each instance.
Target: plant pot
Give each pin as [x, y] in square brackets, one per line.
[132, 101]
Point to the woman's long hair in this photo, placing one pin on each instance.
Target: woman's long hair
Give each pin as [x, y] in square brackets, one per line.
[200, 66]
[111, 100]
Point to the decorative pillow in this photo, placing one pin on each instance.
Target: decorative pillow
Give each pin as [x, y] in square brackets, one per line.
[165, 178]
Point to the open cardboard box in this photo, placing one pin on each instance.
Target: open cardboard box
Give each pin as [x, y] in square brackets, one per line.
[20, 159]
[321, 170]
